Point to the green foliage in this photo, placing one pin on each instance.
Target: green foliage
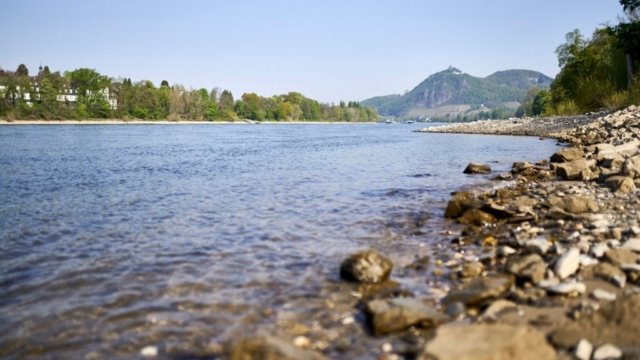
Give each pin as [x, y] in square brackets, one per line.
[22, 70]
[142, 100]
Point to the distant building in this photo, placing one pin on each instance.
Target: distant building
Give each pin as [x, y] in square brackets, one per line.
[67, 95]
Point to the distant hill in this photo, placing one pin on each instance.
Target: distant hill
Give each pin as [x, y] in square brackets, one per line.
[452, 92]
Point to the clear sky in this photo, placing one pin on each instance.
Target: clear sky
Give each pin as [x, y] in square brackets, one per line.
[326, 49]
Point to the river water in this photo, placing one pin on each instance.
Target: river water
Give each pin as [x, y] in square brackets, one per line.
[117, 237]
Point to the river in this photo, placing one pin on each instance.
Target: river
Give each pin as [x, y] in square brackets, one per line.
[117, 237]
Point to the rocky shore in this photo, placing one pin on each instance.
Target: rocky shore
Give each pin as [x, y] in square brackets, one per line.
[543, 127]
[546, 265]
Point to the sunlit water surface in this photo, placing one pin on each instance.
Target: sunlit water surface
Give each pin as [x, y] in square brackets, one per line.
[117, 237]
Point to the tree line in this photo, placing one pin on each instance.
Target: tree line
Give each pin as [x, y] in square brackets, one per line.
[84, 93]
[596, 73]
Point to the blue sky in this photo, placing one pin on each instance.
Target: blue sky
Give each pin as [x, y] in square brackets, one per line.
[326, 49]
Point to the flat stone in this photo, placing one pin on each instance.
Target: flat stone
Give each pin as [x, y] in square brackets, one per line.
[477, 168]
[568, 154]
[366, 267]
[610, 273]
[568, 288]
[574, 170]
[539, 245]
[598, 250]
[568, 263]
[574, 204]
[631, 167]
[584, 350]
[603, 295]
[149, 351]
[607, 352]
[481, 289]
[621, 256]
[528, 268]
[487, 342]
[632, 244]
[391, 315]
[270, 348]
[497, 308]
[586, 260]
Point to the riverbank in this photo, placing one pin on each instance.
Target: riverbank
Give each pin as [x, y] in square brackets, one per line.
[543, 266]
[165, 122]
[542, 127]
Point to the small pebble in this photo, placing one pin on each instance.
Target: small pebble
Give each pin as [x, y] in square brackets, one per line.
[348, 320]
[386, 347]
[584, 350]
[302, 341]
[607, 351]
[603, 295]
[149, 351]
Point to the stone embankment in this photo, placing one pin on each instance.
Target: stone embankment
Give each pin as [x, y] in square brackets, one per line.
[545, 267]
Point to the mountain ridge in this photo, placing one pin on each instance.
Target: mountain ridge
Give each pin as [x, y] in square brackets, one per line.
[454, 92]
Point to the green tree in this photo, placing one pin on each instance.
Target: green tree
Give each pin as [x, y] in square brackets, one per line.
[22, 70]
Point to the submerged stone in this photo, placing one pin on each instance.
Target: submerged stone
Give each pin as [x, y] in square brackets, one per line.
[270, 348]
[477, 168]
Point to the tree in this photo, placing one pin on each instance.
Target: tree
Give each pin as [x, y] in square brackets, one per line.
[22, 70]
[92, 90]
[571, 48]
[164, 83]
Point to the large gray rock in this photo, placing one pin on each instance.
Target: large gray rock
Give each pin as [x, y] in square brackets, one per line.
[391, 315]
[487, 342]
[366, 267]
[477, 168]
[529, 268]
[269, 348]
[479, 290]
[568, 154]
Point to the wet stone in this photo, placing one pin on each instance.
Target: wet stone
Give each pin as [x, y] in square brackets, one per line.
[477, 218]
[477, 168]
[391, 315]
[270, 348]
[461, 202]
[480, 290]
[584, 350]
[366, 267]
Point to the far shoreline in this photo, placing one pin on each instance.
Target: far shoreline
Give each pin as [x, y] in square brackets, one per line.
[166, 122]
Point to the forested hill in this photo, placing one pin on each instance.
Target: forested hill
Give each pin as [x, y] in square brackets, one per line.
[453, 92]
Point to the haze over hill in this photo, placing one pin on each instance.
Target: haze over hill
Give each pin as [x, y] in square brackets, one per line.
[451, 93]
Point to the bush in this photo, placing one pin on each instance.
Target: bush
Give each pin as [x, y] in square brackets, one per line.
[567, 107]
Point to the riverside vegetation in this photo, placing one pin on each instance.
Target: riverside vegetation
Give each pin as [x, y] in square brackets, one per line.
[544, 266]
[86, 94]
